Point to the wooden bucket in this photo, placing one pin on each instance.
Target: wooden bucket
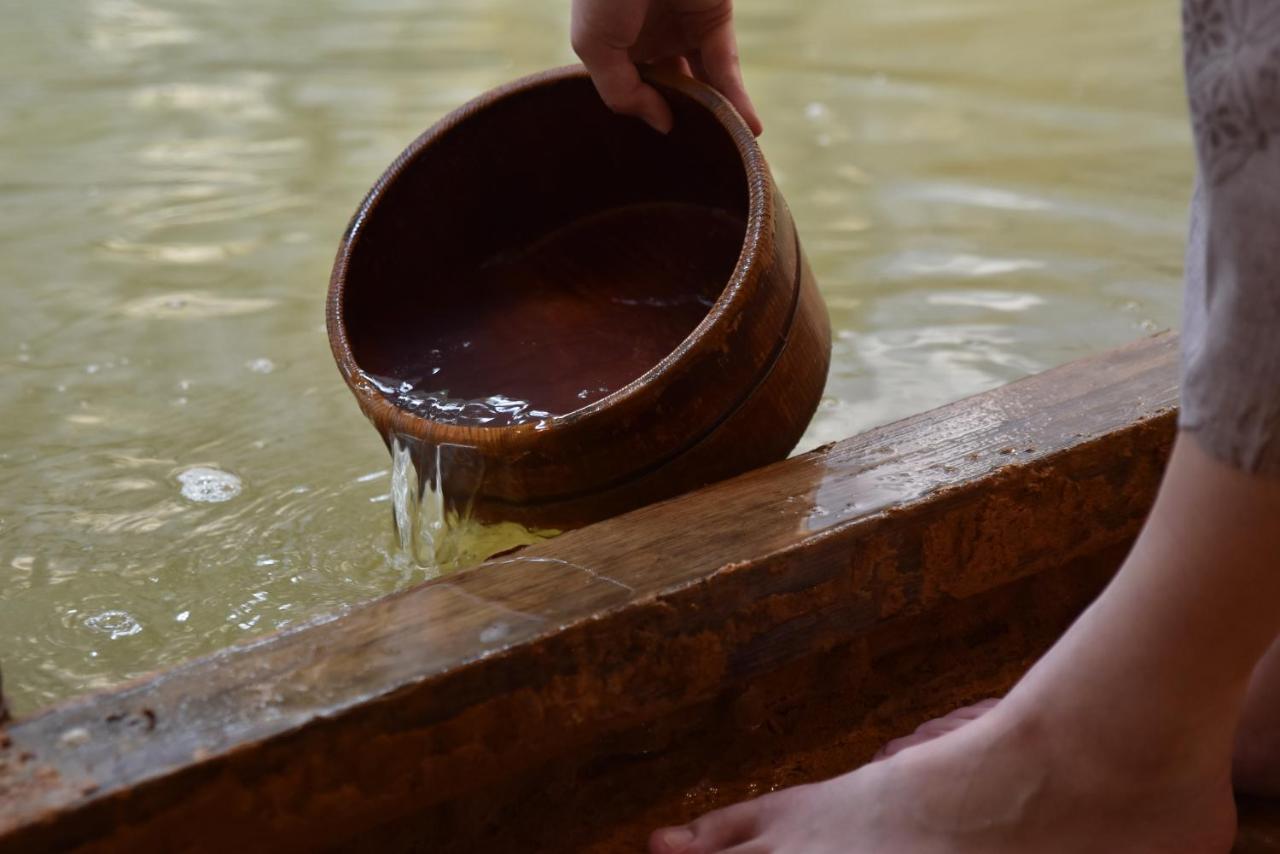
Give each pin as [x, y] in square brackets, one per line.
[637, 305]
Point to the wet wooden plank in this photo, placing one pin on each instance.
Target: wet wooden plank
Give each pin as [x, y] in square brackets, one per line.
[432, 700]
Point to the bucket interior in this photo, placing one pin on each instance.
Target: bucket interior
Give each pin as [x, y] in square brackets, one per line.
[542, 254]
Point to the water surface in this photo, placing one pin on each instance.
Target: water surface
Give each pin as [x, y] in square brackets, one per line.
[985, 189]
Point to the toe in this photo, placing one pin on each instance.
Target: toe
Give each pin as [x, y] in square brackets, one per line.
[941, 726]
[671, 840]
[755, 846]
[714, 832]
[937, 728]
[893, 748]
[977, 710]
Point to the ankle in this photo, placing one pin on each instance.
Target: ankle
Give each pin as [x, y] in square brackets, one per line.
[1115, 740]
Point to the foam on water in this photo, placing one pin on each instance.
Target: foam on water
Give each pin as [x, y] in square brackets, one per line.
[261, 365]
[209, 485]
[115, 624]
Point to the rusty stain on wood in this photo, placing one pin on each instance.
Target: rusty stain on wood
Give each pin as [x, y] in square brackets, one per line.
[767, 630]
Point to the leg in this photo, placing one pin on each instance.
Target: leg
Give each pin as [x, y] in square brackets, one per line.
[1231, 319]
[1119, 739]
[1255, 764]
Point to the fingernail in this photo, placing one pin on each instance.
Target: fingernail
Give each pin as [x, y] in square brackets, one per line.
[676, 838]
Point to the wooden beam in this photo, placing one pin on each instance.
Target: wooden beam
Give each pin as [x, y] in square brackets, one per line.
[445, 699]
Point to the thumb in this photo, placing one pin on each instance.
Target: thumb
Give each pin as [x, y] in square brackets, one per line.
[719, 55]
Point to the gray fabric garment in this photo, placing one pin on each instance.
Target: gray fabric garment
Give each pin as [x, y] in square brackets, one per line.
[1231, 315]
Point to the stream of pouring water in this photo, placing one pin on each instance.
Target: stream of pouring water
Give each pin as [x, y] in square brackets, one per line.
[437, 533]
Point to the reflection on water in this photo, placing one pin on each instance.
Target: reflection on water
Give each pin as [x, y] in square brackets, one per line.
[984, 188]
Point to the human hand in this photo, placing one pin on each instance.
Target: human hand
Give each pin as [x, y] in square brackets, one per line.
[694, 37]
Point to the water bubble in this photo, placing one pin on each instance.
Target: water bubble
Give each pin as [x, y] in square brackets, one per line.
[261, 365]
[209, 485]
[115, 624]
[75, 737]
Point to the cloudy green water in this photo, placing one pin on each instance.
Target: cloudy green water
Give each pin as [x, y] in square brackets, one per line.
[985, 188]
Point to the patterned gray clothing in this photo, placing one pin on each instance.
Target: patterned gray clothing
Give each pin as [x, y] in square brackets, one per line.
[1231, 318]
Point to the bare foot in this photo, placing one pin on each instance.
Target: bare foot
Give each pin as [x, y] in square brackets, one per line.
[998, 784]
[1256, 760]
[930, 730]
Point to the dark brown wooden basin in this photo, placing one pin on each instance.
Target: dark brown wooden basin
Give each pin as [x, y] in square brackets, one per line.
[589, 315]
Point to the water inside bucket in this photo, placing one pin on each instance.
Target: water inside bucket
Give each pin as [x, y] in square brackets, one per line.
[549, 328]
